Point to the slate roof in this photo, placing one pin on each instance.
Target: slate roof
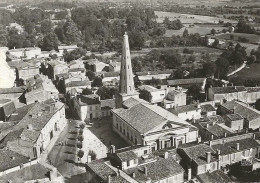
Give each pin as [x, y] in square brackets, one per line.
[217, 176]
[156, 171]
[198, 153]
[242, 109]
[185, 81]
[102, 170]
[229, 89]
[145, 117]
[230, 147]
[10, 159]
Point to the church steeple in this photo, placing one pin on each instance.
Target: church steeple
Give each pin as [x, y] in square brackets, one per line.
[126, 85]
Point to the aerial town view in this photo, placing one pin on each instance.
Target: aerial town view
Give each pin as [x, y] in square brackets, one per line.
[129, 91]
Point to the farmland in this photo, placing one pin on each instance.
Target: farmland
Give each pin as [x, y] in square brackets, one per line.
[251, 38]
[189, 18]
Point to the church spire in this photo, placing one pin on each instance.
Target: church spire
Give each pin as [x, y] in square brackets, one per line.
[126, 85]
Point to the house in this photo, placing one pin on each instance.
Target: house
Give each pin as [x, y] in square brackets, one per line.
[187, 112]
[110, 78]
[16, 94]
[149, 75]
[77, 74]
[158, 95]
[78, 85]
[251, 116]
[7, 108]
[114, 66]
[69, 48]
[253, 93]
[135, 164]
[29, 53]
[25, 70]
[77, 64]
[35, 128]
[218, 94]
[185, 83]
[91, 107]
[152, 125]
[56, 67]
[175, 98]
[234, 121]
[40, 88]
[95, 65]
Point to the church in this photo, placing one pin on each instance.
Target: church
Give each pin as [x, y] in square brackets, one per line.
[141, 123]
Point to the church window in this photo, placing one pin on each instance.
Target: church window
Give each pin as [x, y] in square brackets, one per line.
[124, 66]
[130, 88]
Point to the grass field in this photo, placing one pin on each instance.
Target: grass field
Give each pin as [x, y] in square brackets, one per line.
[249, 72]
[202, 30]
[189, 18]
[251, 37]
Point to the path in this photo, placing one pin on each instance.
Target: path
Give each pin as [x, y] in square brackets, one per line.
[238, 69]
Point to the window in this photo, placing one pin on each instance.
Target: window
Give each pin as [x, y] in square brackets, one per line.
[145, 151]
[127, 135]
[130, 88]
[135, 141]
[124, 131]
[153, 149]
[128, 163]
[131, 138]
[120, 128]
[117, 126]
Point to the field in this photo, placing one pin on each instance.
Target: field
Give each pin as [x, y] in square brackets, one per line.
[202, 30]
[252, 38]
[249, 72]
[189, 18]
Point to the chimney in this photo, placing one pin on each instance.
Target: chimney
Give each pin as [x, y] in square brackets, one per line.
[225, 134]
[189, 173]
[145, 171]
[133, 175]
[218, 152]
[109, 179]
[198, 104]
[210, 143]
[112, 149]
[166, 155]
[207, 125]
[253, 135]
[29, 127]
[199, 139]
[89, 159]
[237, 146]
[208, 155]
[212, 137]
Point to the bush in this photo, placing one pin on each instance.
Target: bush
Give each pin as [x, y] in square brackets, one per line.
[79, 145]
[92, 154]
[81, 131]
[80, 138]
[80, 153]
[82, 125]
[188, 51]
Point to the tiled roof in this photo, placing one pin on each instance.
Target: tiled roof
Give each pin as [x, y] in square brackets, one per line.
[207, 108]
[126, 156]
[11, 90]
[88, 99]
[108, 103]
[198, 153]
[21, 112]
[9, 108]
[102, 170]
[156, 171]
[185, 81]
[149, 88]
[229, 89]
[242, 109]
[217, 176]
[218, 130]
[153, 72]
[77, 69]
[78, 83]
[230, 147]
[145, 117]
[234, 117]
[184, 109]
[133, 101]
[110, 74]
[252, 89]
[10, 159]
[63, 75]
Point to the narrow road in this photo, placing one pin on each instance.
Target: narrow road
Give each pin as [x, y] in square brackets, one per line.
[238, 69]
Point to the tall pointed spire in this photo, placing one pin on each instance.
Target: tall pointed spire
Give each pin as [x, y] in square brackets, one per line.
[126, 85]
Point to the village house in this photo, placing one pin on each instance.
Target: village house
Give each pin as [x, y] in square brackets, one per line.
[176, 97]
[96, 66]
[29, 53]
[77, 74]
[7, 108]
[187, 112]
[234, 121]
[253, 93]
[34, 128]
[25, 70]
[40, 88]
[91, 107]
[218, 94]
[56, 67]
[16, 94]
[78, 85]
[158, 95]
[251, 116]
[185, 83]
[114, 66]
[149, 75]
[218, 154]
[69, 48]
[110, 78]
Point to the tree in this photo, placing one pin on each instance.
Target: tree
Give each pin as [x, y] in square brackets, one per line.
[79, 145]
[209, 69]
[106, 92]
[215, 43]
[91, 75]
[92, 154]
[194, 91]
[80, 154]
[3, 36]
[80, 138]
[257, 104]
[46, 27]
[185, 33]
[146, 95]
[213, 31]
[97, 82]
[74, 55]
[50, 42]
[87, 91]
[71, 32]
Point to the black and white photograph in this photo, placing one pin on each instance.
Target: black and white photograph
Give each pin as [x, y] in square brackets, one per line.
[129, 91]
